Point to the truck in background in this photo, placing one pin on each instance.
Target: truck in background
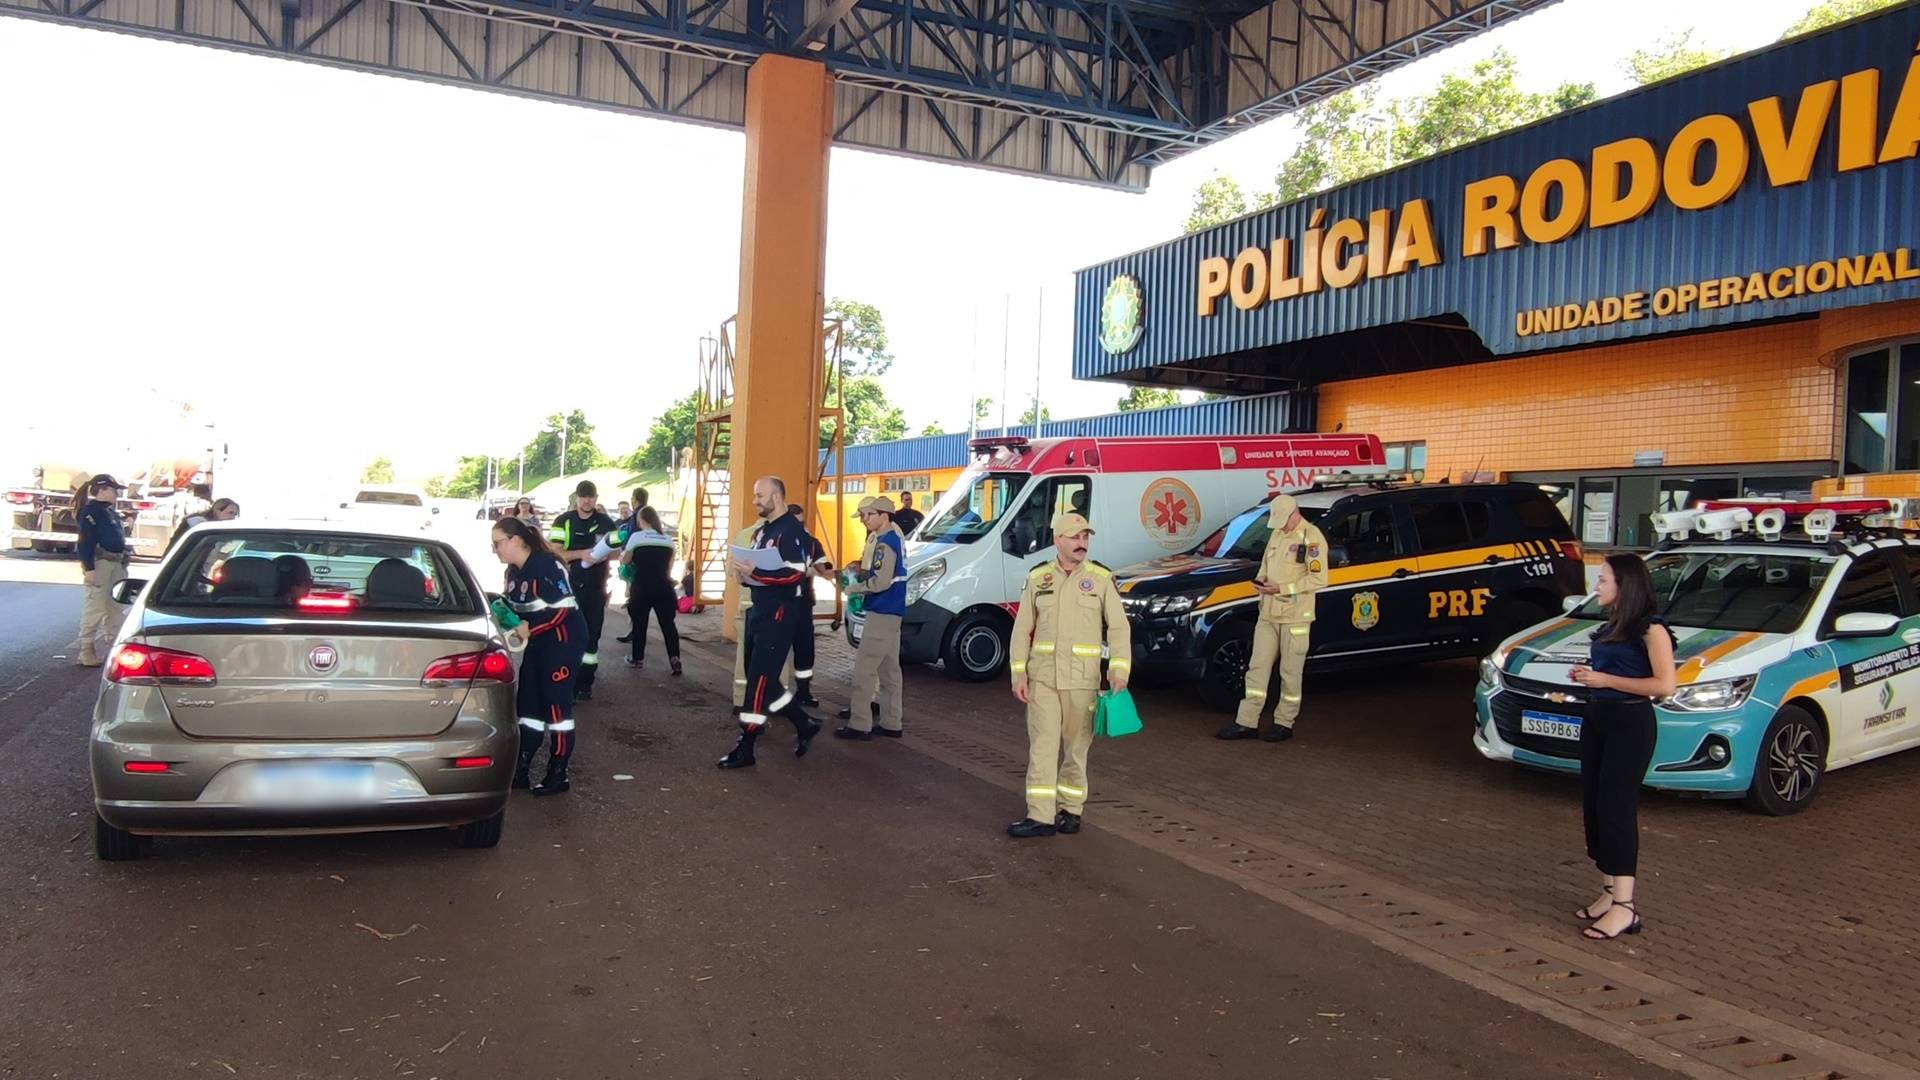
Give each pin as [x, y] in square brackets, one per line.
[40, 514]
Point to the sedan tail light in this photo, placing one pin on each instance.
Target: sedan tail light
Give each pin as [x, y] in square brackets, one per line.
[1571, 549]
[147, 665]
[489, 665]
[20, 498]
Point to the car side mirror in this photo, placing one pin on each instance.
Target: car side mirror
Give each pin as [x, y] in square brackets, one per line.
[1571, 604]
[126, 589]
[436, 510]
[344, 506]
[1864, 624]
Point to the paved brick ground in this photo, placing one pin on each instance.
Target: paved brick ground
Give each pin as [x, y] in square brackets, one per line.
[1810, 920]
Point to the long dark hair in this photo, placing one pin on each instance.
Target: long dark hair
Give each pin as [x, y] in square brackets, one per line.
[1633, 609]
[524, 532]
[652, 520]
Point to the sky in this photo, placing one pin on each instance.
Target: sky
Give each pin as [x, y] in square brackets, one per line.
[334, 266]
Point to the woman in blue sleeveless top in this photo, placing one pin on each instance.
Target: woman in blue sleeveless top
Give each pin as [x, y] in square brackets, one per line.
[1631, 666]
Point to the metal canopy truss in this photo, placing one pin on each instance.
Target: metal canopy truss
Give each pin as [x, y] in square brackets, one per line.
[1071, 89]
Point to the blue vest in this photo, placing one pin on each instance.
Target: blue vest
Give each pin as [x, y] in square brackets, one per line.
[894, 600]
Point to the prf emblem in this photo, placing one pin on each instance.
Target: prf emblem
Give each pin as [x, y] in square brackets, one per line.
[1366, 610]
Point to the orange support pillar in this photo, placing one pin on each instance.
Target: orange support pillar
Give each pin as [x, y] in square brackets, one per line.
[783, 261]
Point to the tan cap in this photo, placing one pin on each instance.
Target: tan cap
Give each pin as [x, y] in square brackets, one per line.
[1282, 507]
[1069, 523]
[881, 505]
[866, 504]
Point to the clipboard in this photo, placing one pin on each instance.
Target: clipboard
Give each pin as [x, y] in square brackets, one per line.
[767, 559]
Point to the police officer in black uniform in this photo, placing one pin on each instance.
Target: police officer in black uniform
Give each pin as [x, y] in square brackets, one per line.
[575, 533]
[779, 608]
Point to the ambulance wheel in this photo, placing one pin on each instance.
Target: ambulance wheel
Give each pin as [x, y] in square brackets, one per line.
[1224, 681]
[1788, 766]
[976, 648]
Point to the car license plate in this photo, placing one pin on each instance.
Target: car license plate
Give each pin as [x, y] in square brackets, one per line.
[1551, 725]
[312, 783]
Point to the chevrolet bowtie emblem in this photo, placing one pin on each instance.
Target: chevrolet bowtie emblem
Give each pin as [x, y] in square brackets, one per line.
[1559, 698]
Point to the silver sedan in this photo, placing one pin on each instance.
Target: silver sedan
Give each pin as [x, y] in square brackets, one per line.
[317, 679]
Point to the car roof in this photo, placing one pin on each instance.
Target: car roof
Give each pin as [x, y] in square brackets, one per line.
[318, 528]
[1327, 497]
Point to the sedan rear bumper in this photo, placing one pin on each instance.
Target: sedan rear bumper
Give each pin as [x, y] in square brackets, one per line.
[172, 818]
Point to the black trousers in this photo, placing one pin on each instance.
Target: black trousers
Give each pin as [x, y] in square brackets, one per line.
[591, 595]
[1616, 745]
[660, 600]
[771, 630]
[803, 640]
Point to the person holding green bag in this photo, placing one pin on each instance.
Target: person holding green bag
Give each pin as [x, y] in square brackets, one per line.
[880, 587]
[1070, 612]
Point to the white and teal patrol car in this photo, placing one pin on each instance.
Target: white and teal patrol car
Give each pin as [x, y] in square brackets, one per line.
[1799, 652]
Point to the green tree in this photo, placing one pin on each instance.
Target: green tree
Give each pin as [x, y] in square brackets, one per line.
[1046, 414]
[932, 429]
[1827, 12]
[469, 477]
[1355, 134]
[1221, 199]
[543, 451]
[863, 338]
[1670, 56]
[1148, 397]
[436, 487]
[378, 471]
[671, 430]
[870, 416]
[982, 408]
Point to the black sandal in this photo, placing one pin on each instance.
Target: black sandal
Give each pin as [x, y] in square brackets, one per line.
[1586, 914]
[1592, 934]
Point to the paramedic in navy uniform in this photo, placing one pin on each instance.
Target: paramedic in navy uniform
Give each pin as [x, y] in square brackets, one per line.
[779, 607]
[575, 533]
[555, 634]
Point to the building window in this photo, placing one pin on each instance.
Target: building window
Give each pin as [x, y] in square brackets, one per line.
[1883, 409]
[854, 487]
[918, 482]
[1404, 457]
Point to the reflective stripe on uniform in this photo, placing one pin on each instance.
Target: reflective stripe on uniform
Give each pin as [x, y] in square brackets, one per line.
[1041, 792]
[561, 725]
[1297, 630]
[1086, 650]
[1043, 648]
[739, 682]
[807, 674]
[527, 606]
[1120, 663]
[1253, 694]
[591, 658]
[1290, 698]
[1073, 791]
[1019, 667]
[530, 722]
[752, 719]
[782, 703]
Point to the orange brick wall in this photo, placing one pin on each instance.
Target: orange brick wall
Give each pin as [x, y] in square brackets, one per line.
[1767, 393]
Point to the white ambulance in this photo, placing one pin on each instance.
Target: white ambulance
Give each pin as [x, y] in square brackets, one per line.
[1145, 497]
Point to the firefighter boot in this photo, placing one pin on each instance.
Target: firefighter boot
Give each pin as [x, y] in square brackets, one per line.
[529, 746]
[804, 727]
[741, 756]
[556, 781]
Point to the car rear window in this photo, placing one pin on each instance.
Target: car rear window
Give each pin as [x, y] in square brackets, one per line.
[296, 571]
[388, 498]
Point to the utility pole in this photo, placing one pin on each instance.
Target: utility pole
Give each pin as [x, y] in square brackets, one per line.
[1039, 312]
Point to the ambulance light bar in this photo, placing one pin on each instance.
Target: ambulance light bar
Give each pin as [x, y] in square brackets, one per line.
[998, 442]
[1345, 477]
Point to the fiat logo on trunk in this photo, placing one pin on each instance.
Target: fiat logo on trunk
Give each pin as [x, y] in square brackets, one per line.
[323, 658]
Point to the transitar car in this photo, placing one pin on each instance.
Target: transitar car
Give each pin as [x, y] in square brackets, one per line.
[317, 679]
[1799, 653]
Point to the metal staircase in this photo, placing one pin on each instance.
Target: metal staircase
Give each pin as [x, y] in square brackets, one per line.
[713, 462]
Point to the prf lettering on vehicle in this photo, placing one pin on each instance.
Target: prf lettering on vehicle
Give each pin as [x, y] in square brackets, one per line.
[1457, 603]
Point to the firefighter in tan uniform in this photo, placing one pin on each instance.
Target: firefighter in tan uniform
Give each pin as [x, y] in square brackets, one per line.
[1068, 611]
[1293, 569]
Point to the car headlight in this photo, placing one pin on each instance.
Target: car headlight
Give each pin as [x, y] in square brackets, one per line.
[1490, 671]
[922, 579]
[1717, 696]
[1165, 604]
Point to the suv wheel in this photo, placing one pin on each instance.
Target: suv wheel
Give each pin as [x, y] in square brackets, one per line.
[976, 648]
[1507, 618]
[111, 844]
[1224, 681]
[1789, 764]
[484, 833]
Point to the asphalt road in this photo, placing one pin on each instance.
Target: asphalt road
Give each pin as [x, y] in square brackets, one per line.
[855, 914]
